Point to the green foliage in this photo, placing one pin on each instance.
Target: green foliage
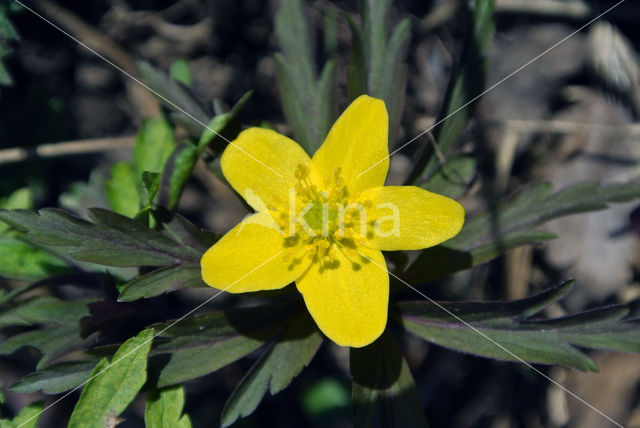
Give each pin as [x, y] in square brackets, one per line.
[111, 239]
[122, 190]
[307, 100]
[7, 33]
[383, 389]
[505, 331]
[453, 178]
[56, 378]
[115, 240]
[228, 335]
[164, 409]
[175, 97]
[112, 386]
[280, 362]
[377, 65]
[20, 259]
[154, 144]
[509, 224]
[466, 83]
[180, 71]
[59, 331]
[27, 418]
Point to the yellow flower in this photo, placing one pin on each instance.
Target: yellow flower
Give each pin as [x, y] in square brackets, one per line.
[323, 221]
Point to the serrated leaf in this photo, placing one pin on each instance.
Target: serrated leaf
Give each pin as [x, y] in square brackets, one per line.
[56, 378]
[306, 100]
[275, 369]
[228, 335]
[114, 385]
[60, 335]
[162, 280]
[180, 71]
[164, 409]
[508, 224]
[122, 189]
[384, 393]
[466, 83]
[176, 173]
[504, 331]
[154, 144]
[112, 240]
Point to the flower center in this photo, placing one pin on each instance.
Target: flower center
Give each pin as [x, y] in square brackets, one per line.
[318, 222]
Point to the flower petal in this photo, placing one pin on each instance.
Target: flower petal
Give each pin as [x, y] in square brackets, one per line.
[261, 164]
[357, 144]
[251, 257]
[410, 218]
[349, 298]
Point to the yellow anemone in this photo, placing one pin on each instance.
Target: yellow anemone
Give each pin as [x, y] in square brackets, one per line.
[323, 222]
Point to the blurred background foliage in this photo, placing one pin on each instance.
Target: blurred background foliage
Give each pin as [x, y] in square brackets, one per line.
[77, 134]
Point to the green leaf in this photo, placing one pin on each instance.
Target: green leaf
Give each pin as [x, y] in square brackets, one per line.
[466, 83]
[164, 409]
[19, 199]
[306, 100]
[175, 97]
[377, 65]
[55, 379]
[111, 239]
[180, 71]
[19, 260]
[39, 310]
[114, 385]
[229, 335]
[453, 178]
[221, 122]
[27, 418]
[275, 369]
[162, 280]
[154, 144]
[504, 331]
[508, 224]
[176, 174]
[122, 190]
[60, 335]
[384, 392]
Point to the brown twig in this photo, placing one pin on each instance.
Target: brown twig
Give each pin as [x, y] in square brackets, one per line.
[66, 148]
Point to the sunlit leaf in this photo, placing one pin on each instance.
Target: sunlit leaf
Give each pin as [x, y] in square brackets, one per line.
[164, 409]
[180, 71]
[122, 189]
[113, 385]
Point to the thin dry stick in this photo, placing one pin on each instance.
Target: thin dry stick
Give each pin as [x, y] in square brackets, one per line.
[66, 148]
